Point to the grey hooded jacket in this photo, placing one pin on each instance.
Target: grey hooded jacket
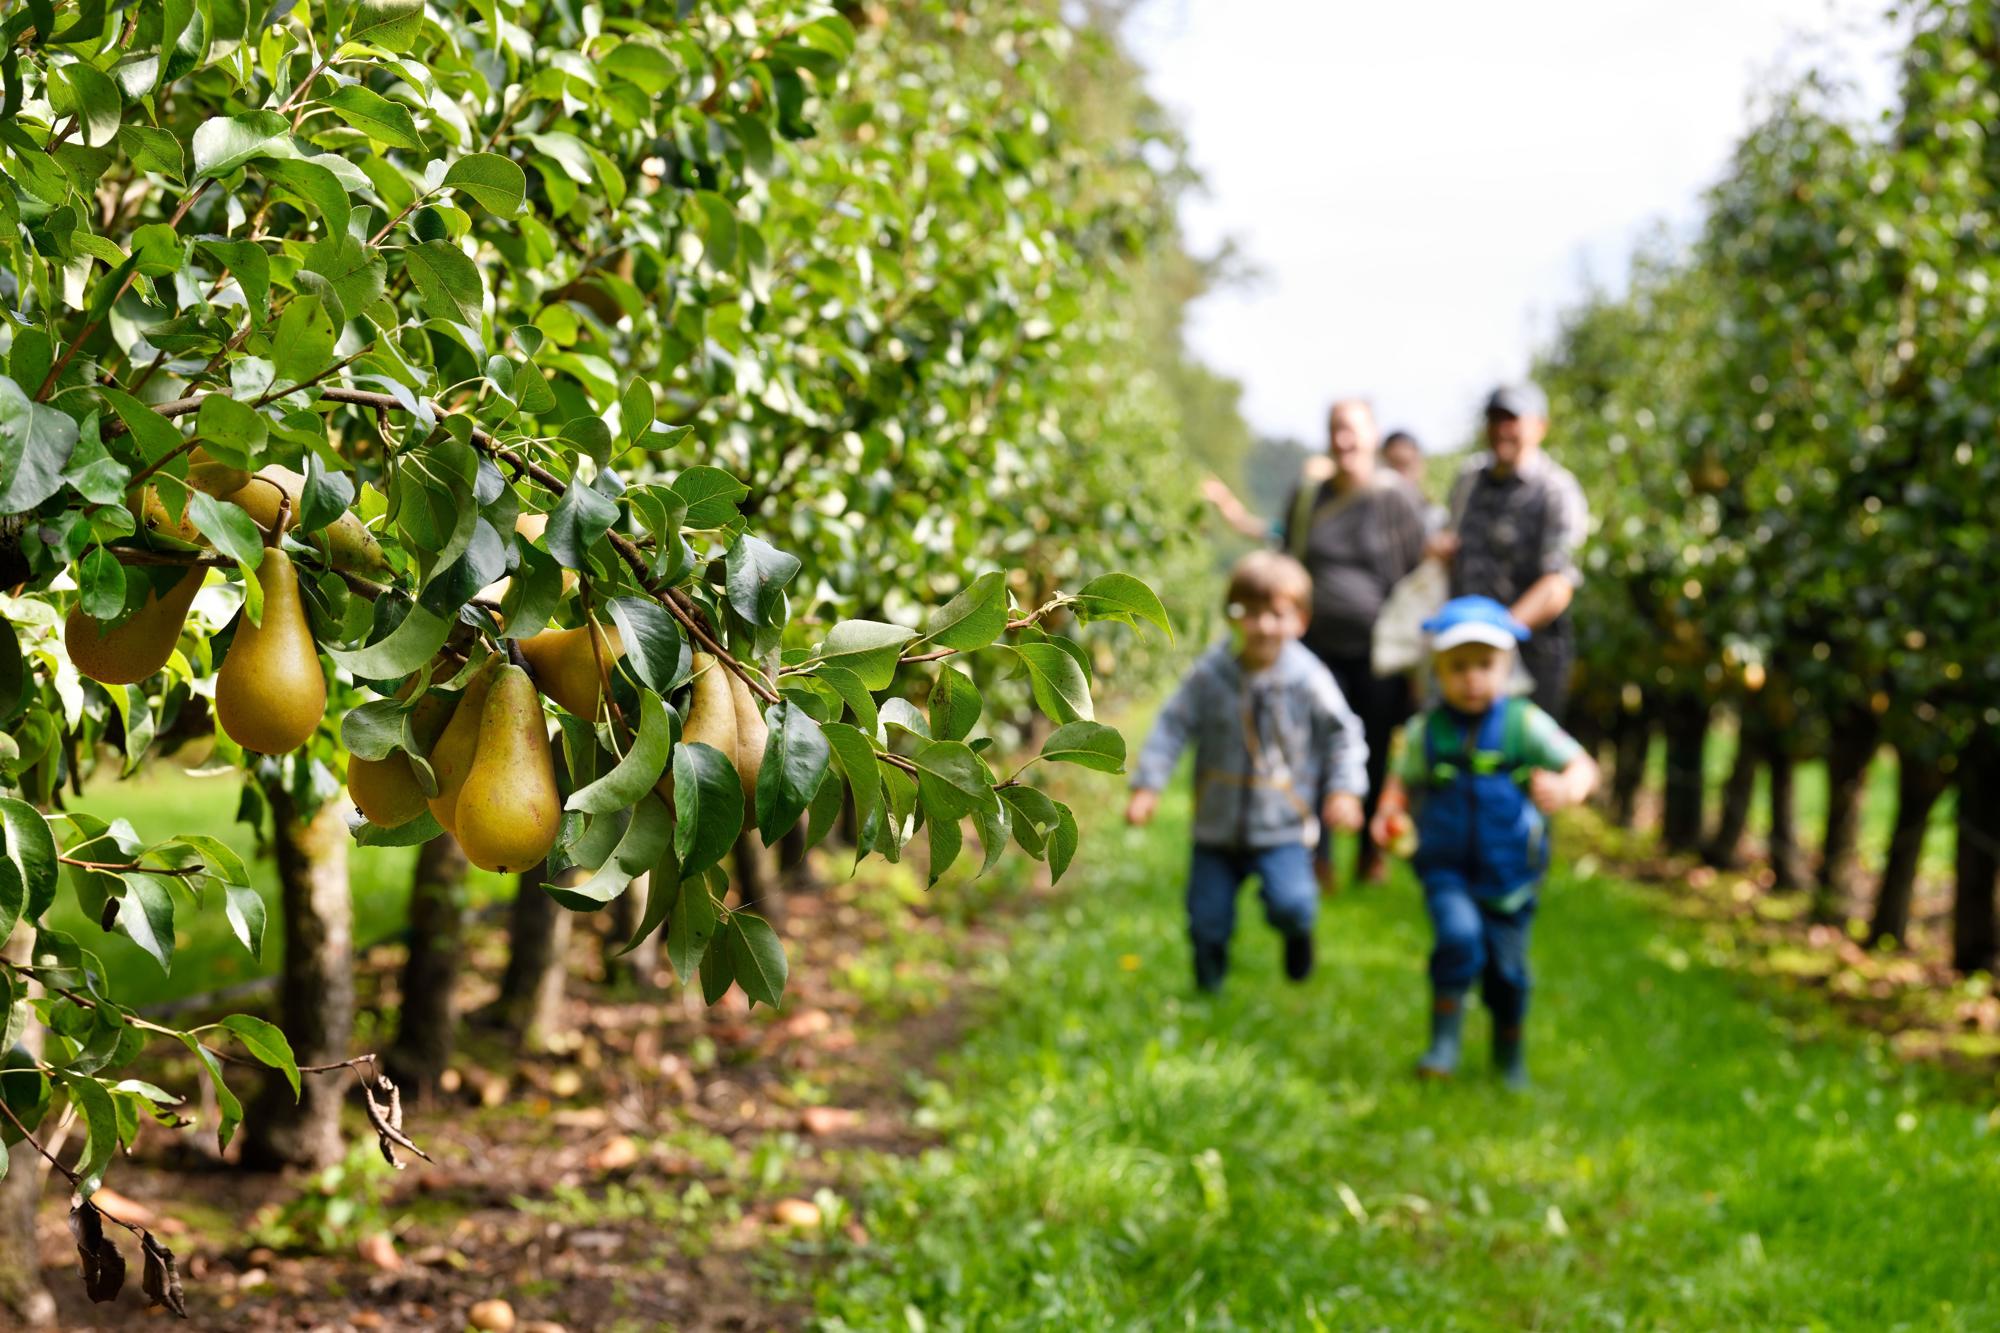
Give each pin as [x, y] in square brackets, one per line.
[1268, 748]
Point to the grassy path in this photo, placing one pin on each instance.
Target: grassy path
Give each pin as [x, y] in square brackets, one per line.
[1121, 1155]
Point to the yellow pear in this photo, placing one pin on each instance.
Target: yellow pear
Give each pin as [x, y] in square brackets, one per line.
[269, 694]
[350, 544]
[509, 809]
[565, 667]
[451, 758]
[751, 734]
[203, 474]
[213, 478]
[129, 653]
[386, 790]
[711, 715]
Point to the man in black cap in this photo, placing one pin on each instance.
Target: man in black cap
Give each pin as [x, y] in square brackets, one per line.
[1521, 517]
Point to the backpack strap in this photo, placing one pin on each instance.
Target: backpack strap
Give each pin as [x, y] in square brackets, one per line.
[1497, 749]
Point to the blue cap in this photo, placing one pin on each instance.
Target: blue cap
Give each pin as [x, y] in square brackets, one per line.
[1474, 620]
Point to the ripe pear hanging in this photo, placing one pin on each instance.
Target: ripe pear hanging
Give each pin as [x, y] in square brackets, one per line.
[566, 667]
[452, 756]
[711, 715]
[751, 734]
[133, 651]
[386, 790]
[509, 809]
[269, 694]
[349, 543]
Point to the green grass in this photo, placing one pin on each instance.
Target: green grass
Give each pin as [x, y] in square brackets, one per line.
[1120, 1155]
[162, 802]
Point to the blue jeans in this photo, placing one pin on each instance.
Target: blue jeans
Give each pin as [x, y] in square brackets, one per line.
[1287, 885]
[1475, 943]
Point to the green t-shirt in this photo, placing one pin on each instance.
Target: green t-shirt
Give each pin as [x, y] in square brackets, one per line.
[1544, 744]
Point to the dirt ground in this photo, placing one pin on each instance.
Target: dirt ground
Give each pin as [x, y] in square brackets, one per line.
[651, 1172]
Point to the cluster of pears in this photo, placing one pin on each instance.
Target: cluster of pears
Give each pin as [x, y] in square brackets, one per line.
[496, 776]
[270, 694]
[722, 713]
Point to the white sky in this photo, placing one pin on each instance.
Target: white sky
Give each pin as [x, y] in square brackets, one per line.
[1422, 185]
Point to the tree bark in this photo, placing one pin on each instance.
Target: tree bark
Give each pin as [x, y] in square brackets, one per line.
[23, 1298]
[1855, 734]
[427, 1022]
[1724, 849]
[1685, 721]
[1634, 737]
[1787, 866]
[632, 970]
[531, 991]
[1918, 786]
[315, 992]
[1975, 925]
[795, 870]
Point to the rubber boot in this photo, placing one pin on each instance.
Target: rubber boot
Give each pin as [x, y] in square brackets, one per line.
[1508, 1060]
[1299, 955]
[1211, 961]
[1447, 1022]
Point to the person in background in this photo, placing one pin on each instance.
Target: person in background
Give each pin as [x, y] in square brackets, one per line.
[1405, 458]
[1277, 753]
[1357, 529]
[1481, 770]
[1521, 518]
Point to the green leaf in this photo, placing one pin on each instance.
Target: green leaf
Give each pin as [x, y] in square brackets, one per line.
[374, 730]
[1062, 842]
[955, 705]
[663, 888]
[13, 898]
[146, 916]
[35, 444]
[710, 495]
[233, 531]
[646, 838]
[152, 150]
[756, 957]
[251, 267]
[1088, 744]
[101, 583]
[268, 1043]
[577, 523]
[223, 144]
[403, 652]
[450, 286]
[225, 1099]
[638, 771]
[1122, 597]
[218, 858]
[98, 107]
[496, 183]
[303, 344]
[375, 115]
[824, 812]
[718, 971]
[796, 755]
[855, 695]
[100, 1120]
[1058, 682]
[244, 907]
[868, 648]
[318, 186]
[951, 779]
[228, 427]
[757, 573]
[855, 755]
[635, 412]
[972, 619]
[390, 24]
[994, 826]
[708, 805]
[324, 497]
[946, 841]
[691, 926]
[646, 66]
[31, 849]
[655, 648]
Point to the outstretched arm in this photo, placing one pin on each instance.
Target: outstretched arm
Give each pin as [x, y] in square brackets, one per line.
[1557, 790]
[1232, 510]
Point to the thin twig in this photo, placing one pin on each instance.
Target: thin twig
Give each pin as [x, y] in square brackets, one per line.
[127, 867]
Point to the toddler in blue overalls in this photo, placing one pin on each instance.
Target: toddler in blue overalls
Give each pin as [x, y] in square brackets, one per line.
[1479, 771]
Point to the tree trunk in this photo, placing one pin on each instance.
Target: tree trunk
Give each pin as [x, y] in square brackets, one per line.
[24, 1301]
[1975, 925]
[1634, 737]
[1724, 849]
[1855, 734]
[531, 991]
[1685, 721]
[1918, 786]
[1787, 866]
[427, 1023]
[632, 970]
[758, 888]
[315, 992]
[794, 868]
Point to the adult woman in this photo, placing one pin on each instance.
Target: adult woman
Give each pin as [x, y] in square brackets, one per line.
[1358, 528]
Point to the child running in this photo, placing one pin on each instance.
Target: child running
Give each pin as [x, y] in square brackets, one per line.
[1481, 769]
[1276, 752]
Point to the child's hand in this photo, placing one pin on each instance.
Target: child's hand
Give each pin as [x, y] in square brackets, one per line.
[1552, 791]
[1342, 810]
[1388, 828]
[1139, 810]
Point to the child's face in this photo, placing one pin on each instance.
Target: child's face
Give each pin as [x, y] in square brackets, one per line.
[1264, 628]
[1472, 675]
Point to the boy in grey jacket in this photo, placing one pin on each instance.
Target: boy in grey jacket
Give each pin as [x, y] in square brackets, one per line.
[1277, 753]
